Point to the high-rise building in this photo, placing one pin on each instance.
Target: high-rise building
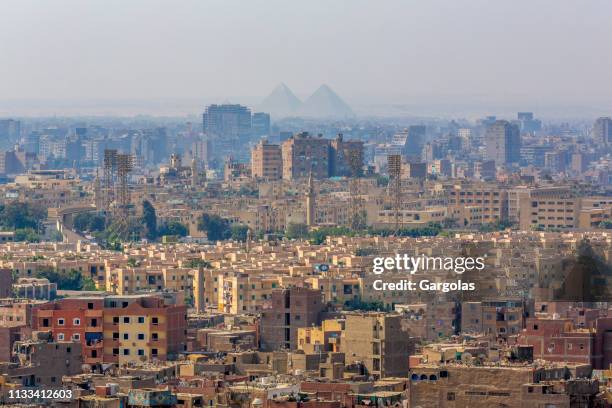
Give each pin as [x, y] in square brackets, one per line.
[260, 124]
[266, 161]
[227, 122]
[302, 154]
[411, 142]
[528, 123]
[503, 143]
[10, 130]
[602, 130]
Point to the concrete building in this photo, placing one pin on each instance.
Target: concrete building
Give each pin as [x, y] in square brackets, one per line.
[510, 386]
[503, 143]
[543, 207]
[602, 130]
[289, 310]
[6, 282]
[266, 161]
[260, 124]
[303, 154]
[346, 157]
[379, 341]
[231, 122]
[44, 363]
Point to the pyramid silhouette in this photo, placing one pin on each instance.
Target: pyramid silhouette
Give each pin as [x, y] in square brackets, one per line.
[281, 102]
[325, 103]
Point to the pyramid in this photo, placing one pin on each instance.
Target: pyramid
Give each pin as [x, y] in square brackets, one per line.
[280, 103]
[324, 103]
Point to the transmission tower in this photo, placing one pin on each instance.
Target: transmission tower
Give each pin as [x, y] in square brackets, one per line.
[125, 164]
[110, 167]
[355, 210]
[394, 162]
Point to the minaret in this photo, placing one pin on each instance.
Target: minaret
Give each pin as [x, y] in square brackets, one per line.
[194, 173]
[310, 202]
[249, 237]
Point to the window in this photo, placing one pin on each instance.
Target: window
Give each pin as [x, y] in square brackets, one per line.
[126, 352]
[60, 322]
[450, 396]
[141, 319]
[90, 305]
[76, 321]
[141, 336]
[154, 336]
[154, 320]
[60, 336]
[153, 352]
[126, 336]
[76, 336]
[141, 352]
[126, 320]
[116, 320]
[115, 336]
[115, 352]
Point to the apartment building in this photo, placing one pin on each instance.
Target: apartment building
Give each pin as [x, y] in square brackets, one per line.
[303, 154]
[379, 341]
[489, 198]
[266, 161]
[116, 328]
[543, 207]
[289, 310]
[141, 328]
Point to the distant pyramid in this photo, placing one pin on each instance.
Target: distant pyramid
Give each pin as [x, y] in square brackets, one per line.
[281, 102]
[324, 103]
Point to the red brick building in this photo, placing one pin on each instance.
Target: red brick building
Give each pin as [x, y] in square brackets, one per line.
[116, 328]
[6, 283]
[74, 319]
[558, 339]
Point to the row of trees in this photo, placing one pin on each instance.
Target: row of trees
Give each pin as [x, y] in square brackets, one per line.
[68, 280]
[22, 218]
[218, 228]
[319, 235]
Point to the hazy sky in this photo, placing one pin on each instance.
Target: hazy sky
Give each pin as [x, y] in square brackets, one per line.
[370, 52]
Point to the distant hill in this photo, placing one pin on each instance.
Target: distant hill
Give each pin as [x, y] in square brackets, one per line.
[281, 102]
[325, 103]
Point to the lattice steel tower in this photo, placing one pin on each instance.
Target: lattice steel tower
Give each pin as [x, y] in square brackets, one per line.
[394, 162]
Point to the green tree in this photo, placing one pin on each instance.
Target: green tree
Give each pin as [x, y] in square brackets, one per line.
[197, 263]
[239, 232]
[69, 280]
[216, 228]
[296, 231]
[21, 215]
[172, 228]
[26, 234]
[149, 220]
[89, 222]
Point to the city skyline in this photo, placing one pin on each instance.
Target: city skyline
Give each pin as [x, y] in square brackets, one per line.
[160, 59]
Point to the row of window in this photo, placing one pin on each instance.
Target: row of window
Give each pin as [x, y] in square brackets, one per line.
[139, 336]
[140, 319]
[140, 352]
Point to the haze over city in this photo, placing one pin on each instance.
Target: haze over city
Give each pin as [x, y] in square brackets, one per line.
[434, 58]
